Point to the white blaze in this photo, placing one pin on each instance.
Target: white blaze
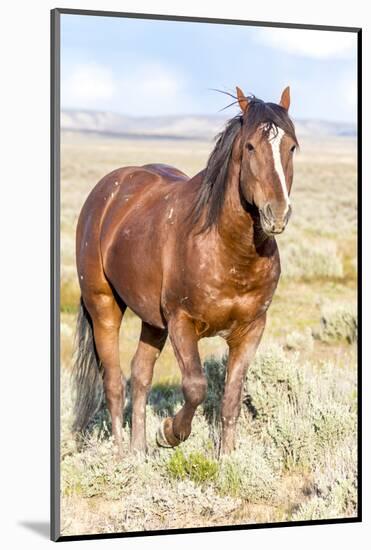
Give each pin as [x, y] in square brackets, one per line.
[275, 139]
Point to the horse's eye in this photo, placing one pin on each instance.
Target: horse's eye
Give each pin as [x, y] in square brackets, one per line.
[293, 148]
[250, 147]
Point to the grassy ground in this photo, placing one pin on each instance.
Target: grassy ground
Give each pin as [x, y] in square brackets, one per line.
[296, 454]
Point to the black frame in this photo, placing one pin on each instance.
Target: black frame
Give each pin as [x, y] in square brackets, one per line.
[55, 271]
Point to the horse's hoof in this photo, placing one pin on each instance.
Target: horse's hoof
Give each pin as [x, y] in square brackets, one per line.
[165, 436]
[160, 436]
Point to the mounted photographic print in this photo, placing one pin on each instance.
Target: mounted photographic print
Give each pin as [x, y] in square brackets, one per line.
[205, 275]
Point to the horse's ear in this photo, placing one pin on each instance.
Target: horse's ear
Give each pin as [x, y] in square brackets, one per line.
[242, 100]
[285, 98]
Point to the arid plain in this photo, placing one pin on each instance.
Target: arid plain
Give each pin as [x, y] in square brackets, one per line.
[296, 452]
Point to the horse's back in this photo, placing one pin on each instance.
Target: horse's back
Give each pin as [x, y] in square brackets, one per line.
[167, 171]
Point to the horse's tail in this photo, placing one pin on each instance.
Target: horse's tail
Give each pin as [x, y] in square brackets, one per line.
[86, 373]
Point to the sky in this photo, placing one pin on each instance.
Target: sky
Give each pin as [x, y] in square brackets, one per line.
[141, 67]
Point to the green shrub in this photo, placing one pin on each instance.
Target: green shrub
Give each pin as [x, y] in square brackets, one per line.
[273, 379]
[332, 422]
[311, 261]
[247, 473]
[195, 467]
[293, 435]
[335, 485]
[298, 408]
[338, 322]
[95, 472]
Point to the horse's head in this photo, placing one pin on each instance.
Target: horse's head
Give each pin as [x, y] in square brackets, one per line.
[268, 143]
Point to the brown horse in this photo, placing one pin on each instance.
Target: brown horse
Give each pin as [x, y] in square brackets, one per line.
[192, 257]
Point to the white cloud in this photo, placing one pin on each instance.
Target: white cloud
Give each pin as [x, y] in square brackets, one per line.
[309, 43]
[87, 85]
[150, 83]
[154, 88]
[146, 88]
[157, 79]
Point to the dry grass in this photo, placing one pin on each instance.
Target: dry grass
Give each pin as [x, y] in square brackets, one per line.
[296, 455]
[296, 452]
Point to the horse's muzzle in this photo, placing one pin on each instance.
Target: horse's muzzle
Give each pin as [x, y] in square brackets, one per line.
[273, 224]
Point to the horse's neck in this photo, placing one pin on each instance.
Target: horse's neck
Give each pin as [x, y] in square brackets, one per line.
[238, 230]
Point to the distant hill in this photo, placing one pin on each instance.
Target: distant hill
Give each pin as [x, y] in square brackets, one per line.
[179, 127]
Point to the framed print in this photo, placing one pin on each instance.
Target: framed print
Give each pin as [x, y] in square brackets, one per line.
[205, 274]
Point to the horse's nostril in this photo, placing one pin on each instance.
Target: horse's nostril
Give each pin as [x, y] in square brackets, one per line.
[269, 211]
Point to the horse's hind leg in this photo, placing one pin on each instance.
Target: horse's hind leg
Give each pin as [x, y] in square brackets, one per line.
[194, 385]
[106, 315]
[151, 342]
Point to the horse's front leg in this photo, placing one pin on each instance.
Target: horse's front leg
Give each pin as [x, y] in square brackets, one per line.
[194, 385]
[242, 348]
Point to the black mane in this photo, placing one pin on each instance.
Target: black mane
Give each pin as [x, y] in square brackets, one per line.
[211, 193]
